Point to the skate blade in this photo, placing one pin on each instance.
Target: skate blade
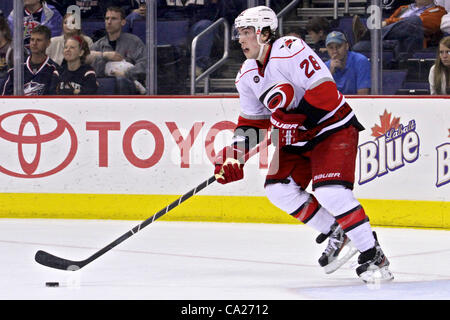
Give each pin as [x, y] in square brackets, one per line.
[339, 262]
[377, 275]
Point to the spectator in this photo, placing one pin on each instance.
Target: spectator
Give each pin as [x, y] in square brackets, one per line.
[298, 33]
[318, 29]
[126, 5]
[200, 15]
[139, 11]
[40, 72]
[90, 9]
[56, 48]
[230, 9]
[350, 70]
[445, 22]
[76, 77]
[95, 9]
[38, 12]
[5, 47]
[389, 6]
[415, 26]
[119, 46]
[61, 5]
[439, 77]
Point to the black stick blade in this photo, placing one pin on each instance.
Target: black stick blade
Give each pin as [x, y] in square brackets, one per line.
[51, 261]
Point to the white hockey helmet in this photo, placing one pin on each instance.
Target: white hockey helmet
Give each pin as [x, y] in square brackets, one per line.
[257, 17]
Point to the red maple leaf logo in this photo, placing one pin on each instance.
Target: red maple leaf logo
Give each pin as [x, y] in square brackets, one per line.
[449, 133]
[386, 124]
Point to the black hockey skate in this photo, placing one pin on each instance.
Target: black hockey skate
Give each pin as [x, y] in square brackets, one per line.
[374, 266]
[333, 258]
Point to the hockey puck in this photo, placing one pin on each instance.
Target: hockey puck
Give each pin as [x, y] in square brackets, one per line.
[52, 284]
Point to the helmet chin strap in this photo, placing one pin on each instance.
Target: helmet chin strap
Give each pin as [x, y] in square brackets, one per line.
[261, 46]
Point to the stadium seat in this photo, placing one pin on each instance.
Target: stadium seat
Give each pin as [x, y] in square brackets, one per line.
[345, 25]
[388, 58]
[91, 26]
[425, 54]
[419, 68]
[414, 88]
[416, 85]
[412, 92]
[167, 32]
[6, 7]
[393, 80]
[106, 86]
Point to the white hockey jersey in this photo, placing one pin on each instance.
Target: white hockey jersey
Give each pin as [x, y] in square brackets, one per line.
[292, 77]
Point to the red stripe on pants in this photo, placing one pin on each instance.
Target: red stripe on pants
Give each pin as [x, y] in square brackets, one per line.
[307, 210]
[352, 218]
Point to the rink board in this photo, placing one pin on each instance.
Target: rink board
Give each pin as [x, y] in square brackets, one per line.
[127, 158]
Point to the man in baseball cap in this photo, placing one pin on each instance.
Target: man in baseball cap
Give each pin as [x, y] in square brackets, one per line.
[350, 70]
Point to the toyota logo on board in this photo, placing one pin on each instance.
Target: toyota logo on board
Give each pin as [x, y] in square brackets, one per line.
[28, 136]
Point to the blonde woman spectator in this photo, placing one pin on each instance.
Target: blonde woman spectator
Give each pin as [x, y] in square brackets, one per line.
[70, 29]
[439, 77]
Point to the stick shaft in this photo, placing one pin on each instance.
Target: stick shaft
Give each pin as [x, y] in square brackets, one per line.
[171, 206]
[52, 261]
[150, 220]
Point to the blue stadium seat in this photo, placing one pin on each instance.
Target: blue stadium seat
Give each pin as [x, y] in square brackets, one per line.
[167, 32]
[419, 68]
[416, 85]
[90, 26]
[393, 80]
[388, 57]
[404, 91]
[425, 54]
[6, 7]
[345, 25]
[106, 86]
[414, 88]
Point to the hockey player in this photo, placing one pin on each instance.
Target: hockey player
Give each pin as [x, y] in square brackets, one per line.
[284, 84]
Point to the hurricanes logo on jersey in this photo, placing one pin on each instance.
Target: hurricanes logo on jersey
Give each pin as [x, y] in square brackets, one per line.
[288, 43]
[277, 96]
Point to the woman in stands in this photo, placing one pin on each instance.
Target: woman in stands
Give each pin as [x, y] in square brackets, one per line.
[439, 76]
[70, 28]
[77, 77]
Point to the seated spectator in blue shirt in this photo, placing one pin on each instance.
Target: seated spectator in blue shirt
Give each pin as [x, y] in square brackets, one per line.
[350, 70]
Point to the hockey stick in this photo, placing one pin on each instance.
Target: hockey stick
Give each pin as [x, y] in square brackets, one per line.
[55, 262]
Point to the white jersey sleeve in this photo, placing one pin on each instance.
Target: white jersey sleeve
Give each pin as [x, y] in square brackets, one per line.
[246, 81]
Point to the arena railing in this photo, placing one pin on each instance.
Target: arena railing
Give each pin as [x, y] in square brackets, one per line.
[226, 48]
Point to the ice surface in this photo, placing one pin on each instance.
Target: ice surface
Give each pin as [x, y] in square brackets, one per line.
[187, 260]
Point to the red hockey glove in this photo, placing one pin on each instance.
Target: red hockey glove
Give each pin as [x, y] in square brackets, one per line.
[228, 167]
[287, 125]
